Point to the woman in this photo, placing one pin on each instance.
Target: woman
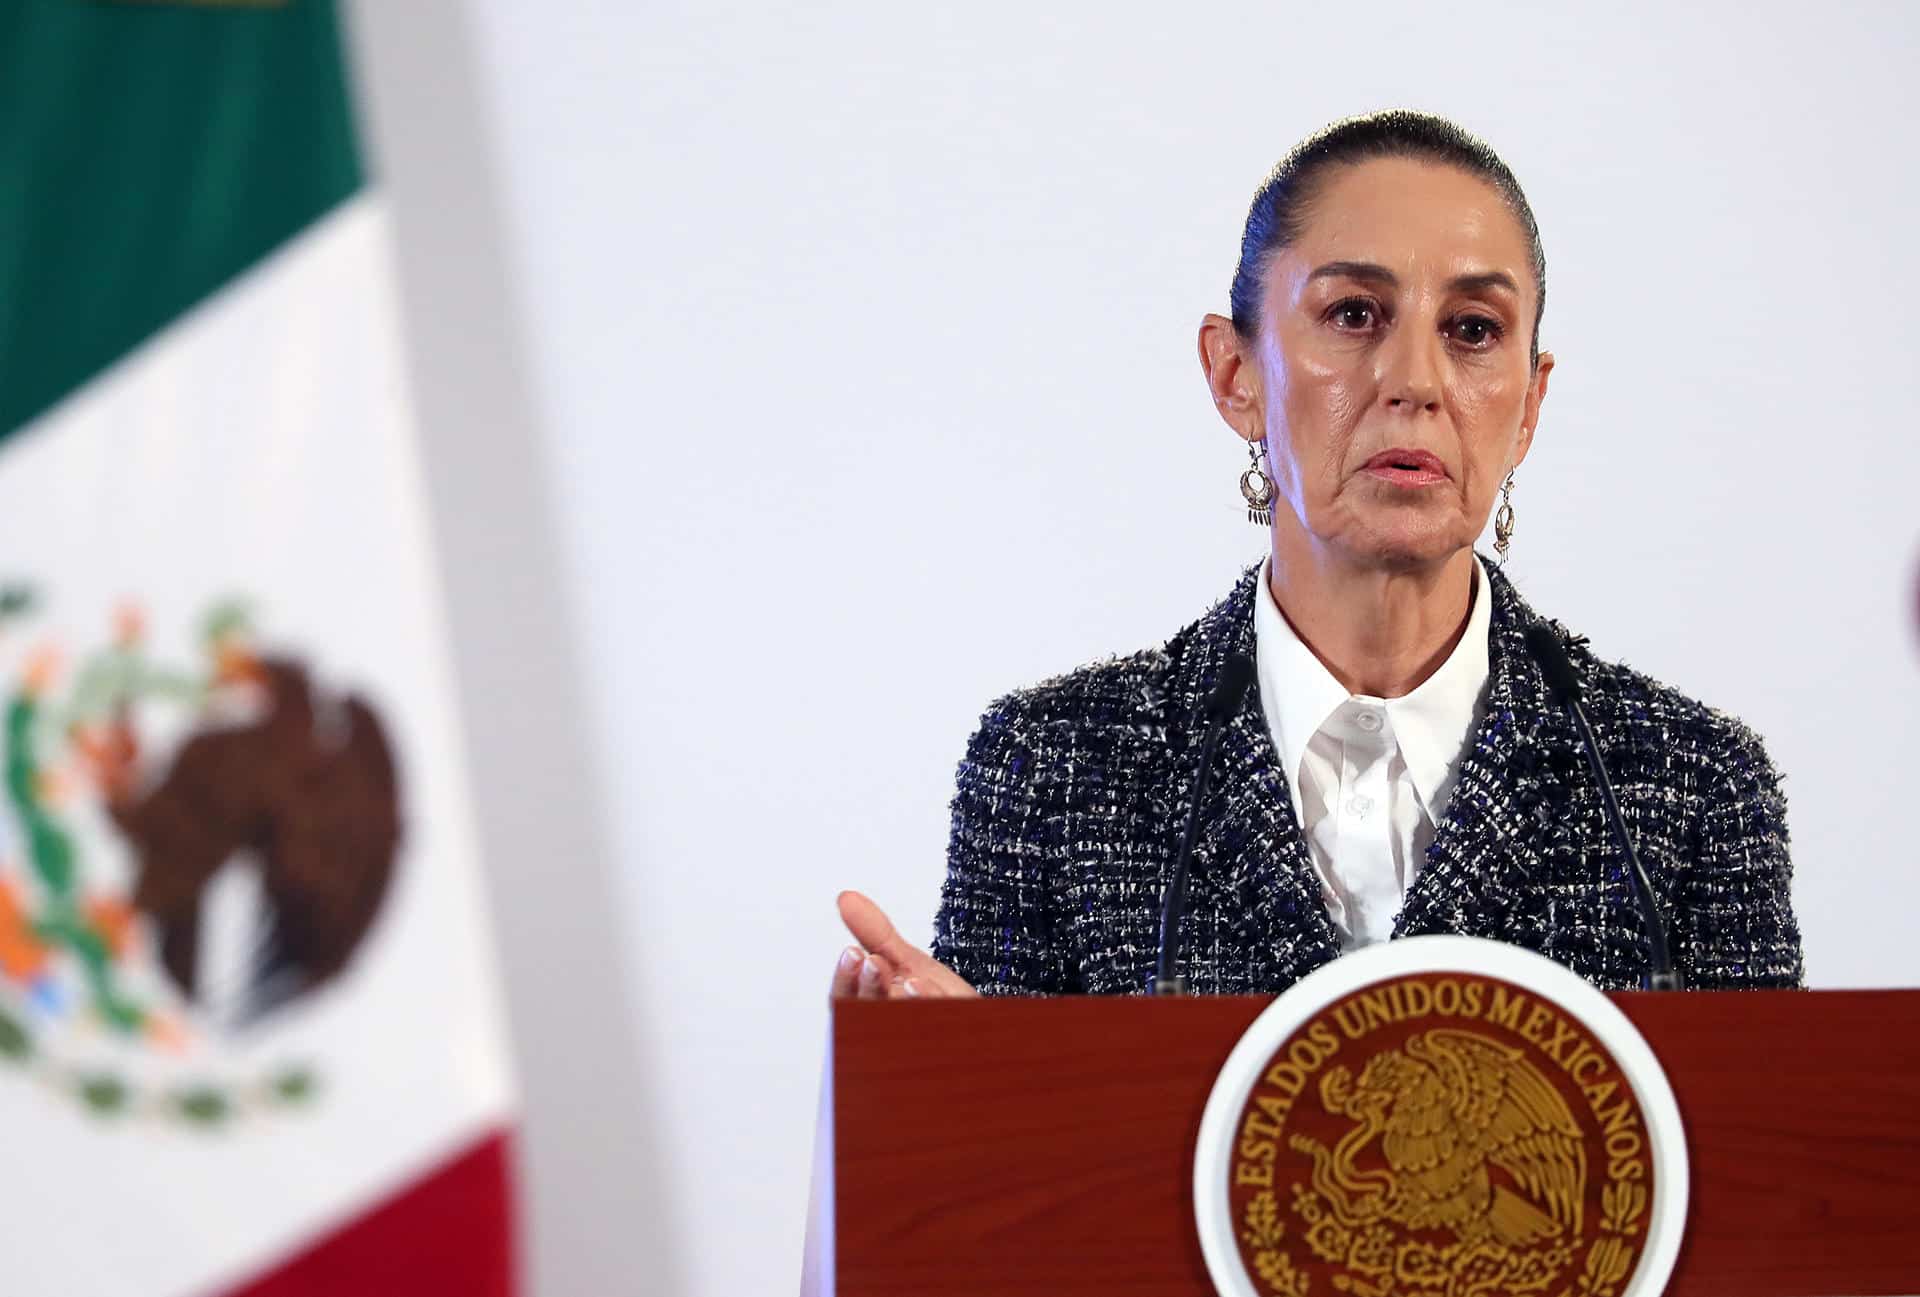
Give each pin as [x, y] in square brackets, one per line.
[1399, 766]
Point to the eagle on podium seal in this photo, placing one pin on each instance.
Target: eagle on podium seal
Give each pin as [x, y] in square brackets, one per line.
[1441, 1117]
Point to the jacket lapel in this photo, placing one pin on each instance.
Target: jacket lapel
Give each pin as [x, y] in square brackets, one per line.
[1255, 916]
[1483, 855]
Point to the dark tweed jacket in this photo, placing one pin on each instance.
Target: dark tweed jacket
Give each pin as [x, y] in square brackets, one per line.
[1072, 796]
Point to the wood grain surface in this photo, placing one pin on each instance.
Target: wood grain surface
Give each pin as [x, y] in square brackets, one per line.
[1046, 1146]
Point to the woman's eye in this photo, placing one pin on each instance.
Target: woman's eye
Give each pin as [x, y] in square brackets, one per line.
[1355, 313]
[1476, 330]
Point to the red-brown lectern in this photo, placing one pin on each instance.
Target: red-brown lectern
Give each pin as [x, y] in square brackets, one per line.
[1017, 1147]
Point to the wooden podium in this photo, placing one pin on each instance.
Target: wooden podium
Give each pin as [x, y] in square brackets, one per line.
[1046, 1146]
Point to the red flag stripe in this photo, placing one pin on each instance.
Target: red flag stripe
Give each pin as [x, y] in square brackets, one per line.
[449, 1234]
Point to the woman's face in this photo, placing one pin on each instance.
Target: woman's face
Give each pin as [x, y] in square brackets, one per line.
[1390, 377]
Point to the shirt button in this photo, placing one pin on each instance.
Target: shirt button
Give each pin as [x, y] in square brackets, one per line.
[1360, 805]
[1368, 721]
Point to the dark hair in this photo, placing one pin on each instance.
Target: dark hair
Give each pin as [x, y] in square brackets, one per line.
[1281, 207]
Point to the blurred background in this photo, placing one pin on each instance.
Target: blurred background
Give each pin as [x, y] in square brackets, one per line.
[680, 420]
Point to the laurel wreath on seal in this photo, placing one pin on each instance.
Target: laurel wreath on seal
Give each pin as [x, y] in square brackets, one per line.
[1622, 1205]
[1263, 1233]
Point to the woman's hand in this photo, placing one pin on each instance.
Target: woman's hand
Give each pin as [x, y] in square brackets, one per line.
[883, 966]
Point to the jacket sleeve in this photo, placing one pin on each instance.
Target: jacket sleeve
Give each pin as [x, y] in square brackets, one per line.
[996, 924]
[1736, 925]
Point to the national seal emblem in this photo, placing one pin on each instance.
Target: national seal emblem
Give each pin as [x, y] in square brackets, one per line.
[1441, 1117]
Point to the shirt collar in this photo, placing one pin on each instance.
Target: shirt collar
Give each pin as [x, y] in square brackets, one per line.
[1432, 724]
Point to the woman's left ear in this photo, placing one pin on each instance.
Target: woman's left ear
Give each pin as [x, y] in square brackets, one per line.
[1530, 416]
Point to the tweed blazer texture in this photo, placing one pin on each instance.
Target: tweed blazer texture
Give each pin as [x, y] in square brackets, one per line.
[1072, 796]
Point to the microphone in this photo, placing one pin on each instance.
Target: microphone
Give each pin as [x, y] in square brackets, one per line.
[1236, 673]
[1564, 685]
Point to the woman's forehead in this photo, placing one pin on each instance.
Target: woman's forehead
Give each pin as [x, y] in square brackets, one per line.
[1414, 217]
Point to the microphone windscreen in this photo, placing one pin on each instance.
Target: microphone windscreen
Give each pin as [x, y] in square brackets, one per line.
[1551, 654]
[1236, 673]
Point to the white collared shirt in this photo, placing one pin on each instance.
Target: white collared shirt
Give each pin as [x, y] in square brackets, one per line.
[1370, 777]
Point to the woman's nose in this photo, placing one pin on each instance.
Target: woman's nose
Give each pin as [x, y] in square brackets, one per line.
[1410, 370]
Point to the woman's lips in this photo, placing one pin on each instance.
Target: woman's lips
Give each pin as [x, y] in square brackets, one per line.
[1406, 467]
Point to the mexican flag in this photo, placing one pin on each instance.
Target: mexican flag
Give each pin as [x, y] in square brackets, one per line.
[250, 1032]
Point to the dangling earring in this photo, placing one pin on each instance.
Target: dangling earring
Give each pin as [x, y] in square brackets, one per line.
[1257, 486]
[1503, 518]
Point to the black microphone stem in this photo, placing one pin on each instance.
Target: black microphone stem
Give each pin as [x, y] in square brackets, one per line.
[1230, 687]
[1165, 981]
[1661, 974]
[1564, 684]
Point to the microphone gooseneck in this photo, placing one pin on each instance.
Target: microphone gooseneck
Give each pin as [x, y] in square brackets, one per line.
[1564, 684]
[1236, 674]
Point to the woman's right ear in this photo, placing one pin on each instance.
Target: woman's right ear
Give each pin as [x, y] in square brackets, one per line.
[1232, 378]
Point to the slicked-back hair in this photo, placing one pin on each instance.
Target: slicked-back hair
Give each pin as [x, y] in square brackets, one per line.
[1285, 199]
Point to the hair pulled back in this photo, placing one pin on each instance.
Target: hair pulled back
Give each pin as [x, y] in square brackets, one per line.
[1285, 199]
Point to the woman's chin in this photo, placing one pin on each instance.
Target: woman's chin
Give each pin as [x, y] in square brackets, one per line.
[1406, 548]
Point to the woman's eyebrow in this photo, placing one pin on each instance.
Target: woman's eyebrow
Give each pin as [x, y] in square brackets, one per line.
[1373, 272]
[1483, 280]
[1363, 270]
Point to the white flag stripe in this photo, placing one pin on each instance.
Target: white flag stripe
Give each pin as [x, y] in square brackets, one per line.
[263, 446]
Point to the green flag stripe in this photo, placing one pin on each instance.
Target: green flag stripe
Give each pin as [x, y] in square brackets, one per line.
[148, 154]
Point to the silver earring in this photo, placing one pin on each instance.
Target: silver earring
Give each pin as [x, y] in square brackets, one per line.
[1503, 519]
[1256, 485]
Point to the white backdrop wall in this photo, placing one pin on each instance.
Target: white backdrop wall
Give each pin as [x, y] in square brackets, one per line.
[859, 386]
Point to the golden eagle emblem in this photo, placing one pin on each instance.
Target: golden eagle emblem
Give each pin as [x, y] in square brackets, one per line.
[1440, 1136]
[1446, 1111]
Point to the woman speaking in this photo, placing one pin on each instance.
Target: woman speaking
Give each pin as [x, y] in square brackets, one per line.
[1399, 757]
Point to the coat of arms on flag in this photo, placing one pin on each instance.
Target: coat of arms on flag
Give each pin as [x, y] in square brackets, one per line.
[186, 847]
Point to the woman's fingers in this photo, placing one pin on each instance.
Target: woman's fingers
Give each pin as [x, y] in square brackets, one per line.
[934, 981]
[846, 972]
[874, 931]
[875, 979]
[859, 975]
[884, 965]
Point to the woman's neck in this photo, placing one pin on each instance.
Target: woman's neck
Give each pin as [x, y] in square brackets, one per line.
[1380, 632]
